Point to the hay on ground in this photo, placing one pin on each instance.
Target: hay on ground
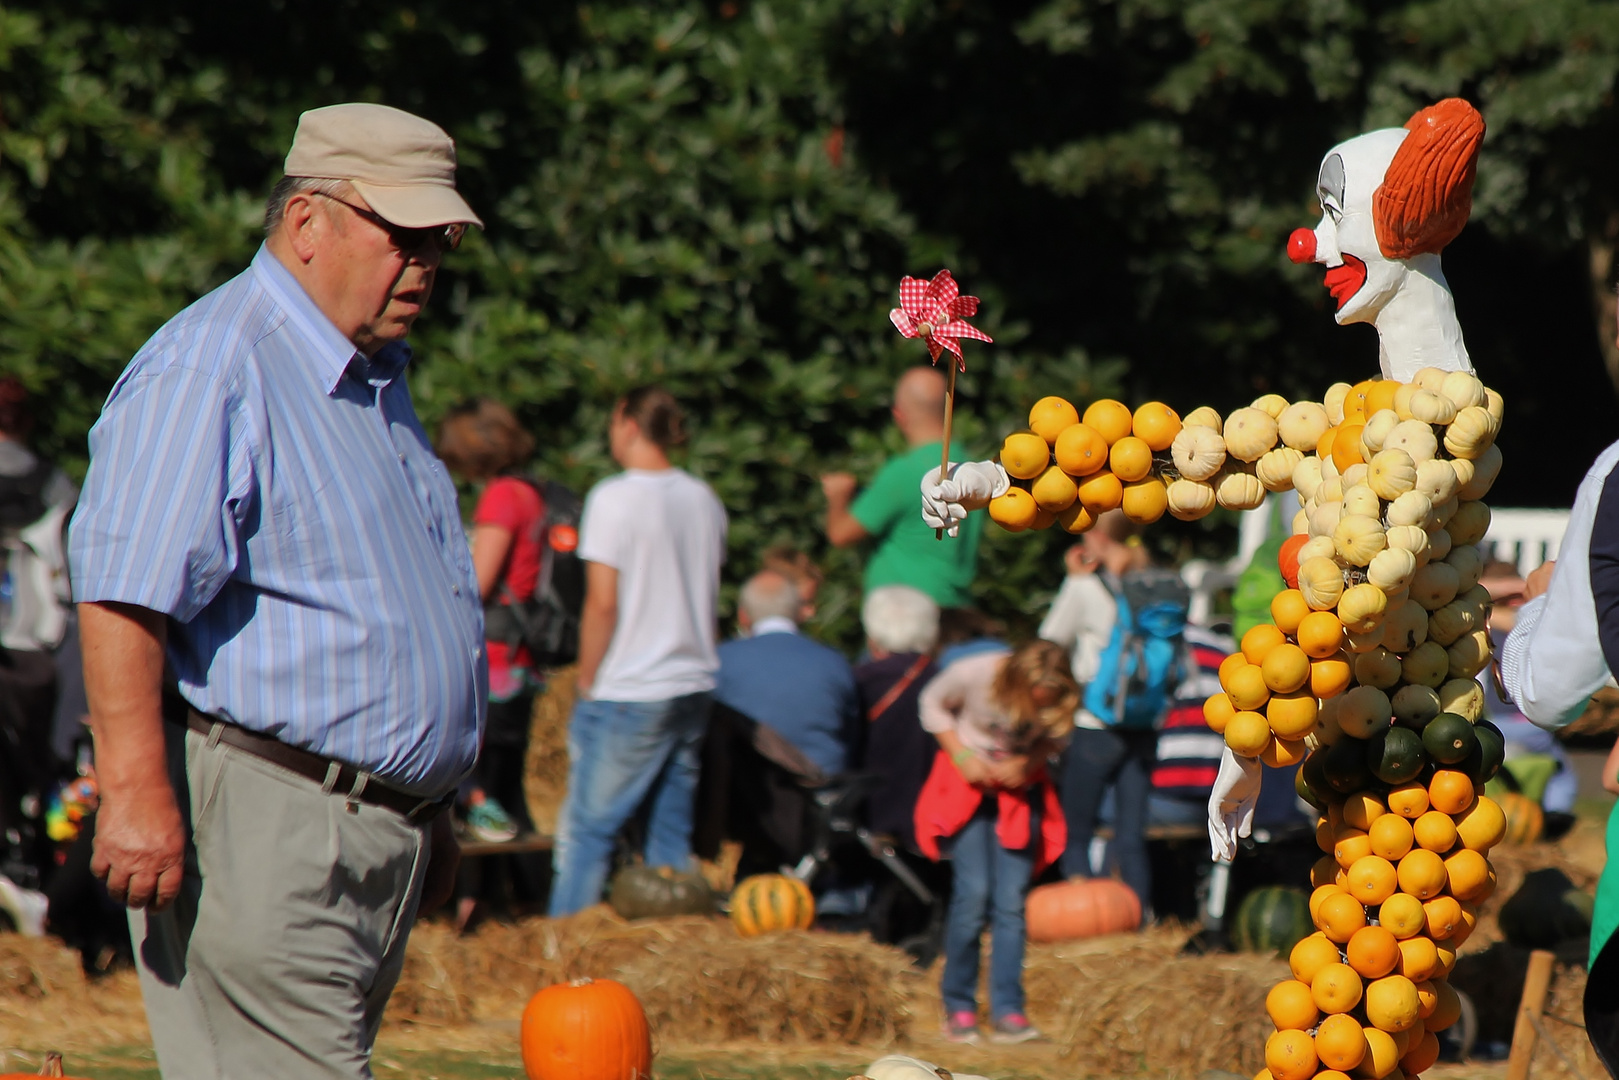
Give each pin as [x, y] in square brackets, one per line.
[697, 979]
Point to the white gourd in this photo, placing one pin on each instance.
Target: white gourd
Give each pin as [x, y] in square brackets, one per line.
[1321, 582]
[1362, 607]
[1463, 388]
[1482, 472]
[1239, 490]
[1469, 523]
[1378, 426]
[1364, 710]
[1439, 543]
[1452, 621]
[1377, 667]
[1443, 512]
[1402, 400]
[1469, 654]
[1391, 474]
[1275, 469]
[1432, 408]
[1433, 586]
[1391, 569]
[1249, 433]
[1362, 500]
[1471, 433]
[1324, 519]
[1329, 468]
[1358, 538]
[1190, 500]
[1495, 406]
[1437, 480]
[1415, 438]
[1333, 402]
[1307, 477]
[1405, 628]
[1202, 416]
[1271, 405]
[1301, 523]
[1198, 452]
[1355, 474]
[1359, 641]
[1469, 566]
[1430, 378]
[1412, 508]
[1426, 665]
[1464, 697]
[1317, 547]
[1301, 425]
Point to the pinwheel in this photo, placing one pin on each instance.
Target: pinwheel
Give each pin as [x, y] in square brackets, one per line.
[936, 312]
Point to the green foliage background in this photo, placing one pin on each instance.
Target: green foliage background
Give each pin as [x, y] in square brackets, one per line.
[722, 197]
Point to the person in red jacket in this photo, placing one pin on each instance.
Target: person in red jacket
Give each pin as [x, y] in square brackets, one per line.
[988, 804]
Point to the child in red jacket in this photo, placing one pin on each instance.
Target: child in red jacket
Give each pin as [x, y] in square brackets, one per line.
[989, 805]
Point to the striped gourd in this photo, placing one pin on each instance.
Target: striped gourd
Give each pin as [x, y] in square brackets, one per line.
[1525, 818]
[768, 902]
[1272, 920]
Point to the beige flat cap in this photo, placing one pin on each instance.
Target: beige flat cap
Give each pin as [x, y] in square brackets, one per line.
[402, 165]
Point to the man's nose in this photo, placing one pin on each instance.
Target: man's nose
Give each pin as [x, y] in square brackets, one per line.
[1301, 246]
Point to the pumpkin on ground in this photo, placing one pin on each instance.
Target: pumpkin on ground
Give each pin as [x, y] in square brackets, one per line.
[1525, 818]
[769, 902]
[1069, 910]
[641, 892]
[1272, 919]
[587, 1029]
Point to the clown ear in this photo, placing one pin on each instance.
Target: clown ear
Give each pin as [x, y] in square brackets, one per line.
[1427, 192]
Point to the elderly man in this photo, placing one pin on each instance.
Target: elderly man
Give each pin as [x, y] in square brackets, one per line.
[282, 637]
[907, 552]
[774, 675]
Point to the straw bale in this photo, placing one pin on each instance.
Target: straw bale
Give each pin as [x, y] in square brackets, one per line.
[1580, 855]
[695, 976]
[46, 1000]
[1131, 1004]
[545, 768]
[34, 968]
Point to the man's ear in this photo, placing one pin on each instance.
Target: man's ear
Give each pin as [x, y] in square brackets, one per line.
[299, 224]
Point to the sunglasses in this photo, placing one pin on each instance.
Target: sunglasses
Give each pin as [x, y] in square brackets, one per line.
[409, 241]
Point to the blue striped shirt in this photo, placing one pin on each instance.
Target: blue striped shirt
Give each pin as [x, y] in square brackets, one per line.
[270, 489]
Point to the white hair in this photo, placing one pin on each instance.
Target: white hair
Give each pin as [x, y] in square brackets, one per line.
[770, 595]
[288, 186]
[900, 619]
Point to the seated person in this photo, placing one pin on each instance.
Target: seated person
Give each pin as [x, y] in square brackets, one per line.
[802, 689]
[902, 626]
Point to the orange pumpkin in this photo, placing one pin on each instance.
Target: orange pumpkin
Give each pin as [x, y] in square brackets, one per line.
[587, 1029]
[1525, 818]
[1080, 909]
[1287, 560]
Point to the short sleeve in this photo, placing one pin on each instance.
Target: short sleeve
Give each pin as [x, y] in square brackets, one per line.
[600, 537]
[892, 493]
[169, 485]
[508, 503]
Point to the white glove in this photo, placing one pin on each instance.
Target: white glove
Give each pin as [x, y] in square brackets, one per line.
[970, 486]
[1231, 803]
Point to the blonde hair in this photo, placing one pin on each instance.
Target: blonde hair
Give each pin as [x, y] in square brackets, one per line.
[1037, 665]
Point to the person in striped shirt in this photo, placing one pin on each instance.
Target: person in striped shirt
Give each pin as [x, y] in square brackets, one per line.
[283, 640]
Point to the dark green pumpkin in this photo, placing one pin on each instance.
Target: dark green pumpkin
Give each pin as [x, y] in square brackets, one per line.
[1272, 919]
[640, 892]
[1394, 755]
[1344, 767]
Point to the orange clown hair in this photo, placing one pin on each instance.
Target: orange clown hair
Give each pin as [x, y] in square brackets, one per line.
[1427, 191]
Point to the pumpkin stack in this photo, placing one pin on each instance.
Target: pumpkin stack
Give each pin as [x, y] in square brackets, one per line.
[1367, 676]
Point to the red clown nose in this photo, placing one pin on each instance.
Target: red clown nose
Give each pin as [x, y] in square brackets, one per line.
[1301, 246]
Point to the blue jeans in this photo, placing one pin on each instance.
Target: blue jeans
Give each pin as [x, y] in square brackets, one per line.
[620, 753]
[1097, 759]
[989, 887]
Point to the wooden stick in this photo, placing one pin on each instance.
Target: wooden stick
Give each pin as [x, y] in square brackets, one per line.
[1530, 1007]
[949, 413]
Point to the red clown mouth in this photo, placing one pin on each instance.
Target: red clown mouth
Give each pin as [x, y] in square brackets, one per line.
[1343, 282]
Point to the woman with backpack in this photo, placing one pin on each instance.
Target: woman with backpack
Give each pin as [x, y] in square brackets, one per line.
[990, 807]
[1115, 738]
[481, 441]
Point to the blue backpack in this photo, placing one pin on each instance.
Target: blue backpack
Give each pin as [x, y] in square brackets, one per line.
[1145, 659]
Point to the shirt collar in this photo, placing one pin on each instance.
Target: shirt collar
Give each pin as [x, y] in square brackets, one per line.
[775, 624]
[332, 354]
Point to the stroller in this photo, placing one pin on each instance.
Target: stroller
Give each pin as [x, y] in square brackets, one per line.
[761, 791]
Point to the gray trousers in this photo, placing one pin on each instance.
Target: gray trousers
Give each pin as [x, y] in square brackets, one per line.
[289, 932]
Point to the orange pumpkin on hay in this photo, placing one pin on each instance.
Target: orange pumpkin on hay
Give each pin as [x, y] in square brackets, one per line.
[1069, 910]
[587, 1029]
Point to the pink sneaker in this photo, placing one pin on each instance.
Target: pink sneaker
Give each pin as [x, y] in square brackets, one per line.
[961, 1027]
[1013, 1028]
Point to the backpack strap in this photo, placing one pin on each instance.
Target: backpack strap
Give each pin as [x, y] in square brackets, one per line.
[894, 692]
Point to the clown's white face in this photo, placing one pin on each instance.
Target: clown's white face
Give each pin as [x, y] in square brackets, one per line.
[1361, 279]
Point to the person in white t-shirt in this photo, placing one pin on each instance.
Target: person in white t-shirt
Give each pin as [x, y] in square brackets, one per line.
[653, 540]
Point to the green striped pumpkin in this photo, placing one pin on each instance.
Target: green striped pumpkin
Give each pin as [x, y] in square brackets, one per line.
[766, 903]
[1272, 919]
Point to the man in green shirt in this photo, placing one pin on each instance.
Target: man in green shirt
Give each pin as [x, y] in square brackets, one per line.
[907, 551]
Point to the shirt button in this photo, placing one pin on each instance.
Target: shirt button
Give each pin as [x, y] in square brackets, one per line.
[456, 589]
[401, 457]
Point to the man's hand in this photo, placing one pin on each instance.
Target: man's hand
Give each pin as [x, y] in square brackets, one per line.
[1076, 560]
[443, 860]
[839, 488]
[1010, 773]
[969, 486]
[1539, 580]
[1231, 803]
[140, 846]
[973, 769]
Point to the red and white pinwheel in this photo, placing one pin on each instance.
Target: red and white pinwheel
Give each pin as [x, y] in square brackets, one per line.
[937, 312]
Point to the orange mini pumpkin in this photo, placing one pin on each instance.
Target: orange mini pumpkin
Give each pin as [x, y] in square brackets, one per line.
[1068, 910]
[587, 1029]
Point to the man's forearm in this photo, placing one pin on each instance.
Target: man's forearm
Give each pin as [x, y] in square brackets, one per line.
[596, 626]
[842, 527]
[123, 649]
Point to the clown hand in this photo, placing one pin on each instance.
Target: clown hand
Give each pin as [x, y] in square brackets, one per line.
[970, 486]
[1231, 803]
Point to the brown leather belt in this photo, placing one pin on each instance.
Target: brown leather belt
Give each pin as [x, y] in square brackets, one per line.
[334, 777]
